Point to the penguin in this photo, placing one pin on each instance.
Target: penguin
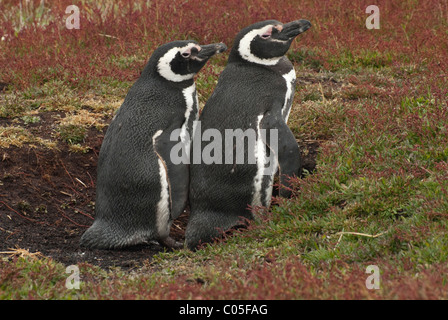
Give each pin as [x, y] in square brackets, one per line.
[254, 94]
[141, 188]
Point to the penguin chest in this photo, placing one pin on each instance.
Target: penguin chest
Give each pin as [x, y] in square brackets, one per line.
[191, 115]
[163, 205]
[163, 220]
[290, 80]
[266, 162]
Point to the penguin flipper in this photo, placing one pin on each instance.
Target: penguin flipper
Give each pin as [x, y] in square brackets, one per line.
[178, 174]
[286, 149]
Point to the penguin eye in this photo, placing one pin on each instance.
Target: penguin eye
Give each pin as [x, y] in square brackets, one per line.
[186, 55]
[266, 35]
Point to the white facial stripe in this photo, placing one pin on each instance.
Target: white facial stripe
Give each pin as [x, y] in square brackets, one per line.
[244, 47]
[164, 67]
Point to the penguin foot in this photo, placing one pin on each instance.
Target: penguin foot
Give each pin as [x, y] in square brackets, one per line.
[171, 243]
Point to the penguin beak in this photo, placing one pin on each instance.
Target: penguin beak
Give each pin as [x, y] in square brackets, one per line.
[209, 50]
[293, 29]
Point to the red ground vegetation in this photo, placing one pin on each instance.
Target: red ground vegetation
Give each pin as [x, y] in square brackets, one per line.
[410, 31]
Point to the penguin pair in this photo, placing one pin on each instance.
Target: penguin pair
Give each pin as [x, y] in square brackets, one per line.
[140, 191]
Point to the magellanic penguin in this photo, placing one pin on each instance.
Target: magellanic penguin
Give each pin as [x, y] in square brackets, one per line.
[251, 101]
[140, 190]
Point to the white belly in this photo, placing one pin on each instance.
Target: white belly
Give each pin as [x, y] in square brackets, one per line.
[290, 79]
[163, 206]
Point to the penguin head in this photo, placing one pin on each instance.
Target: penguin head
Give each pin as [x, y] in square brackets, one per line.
[266, 42]
[179, 61]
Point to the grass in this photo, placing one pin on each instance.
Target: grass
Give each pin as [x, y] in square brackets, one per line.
[18, 136]
[376, 101]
